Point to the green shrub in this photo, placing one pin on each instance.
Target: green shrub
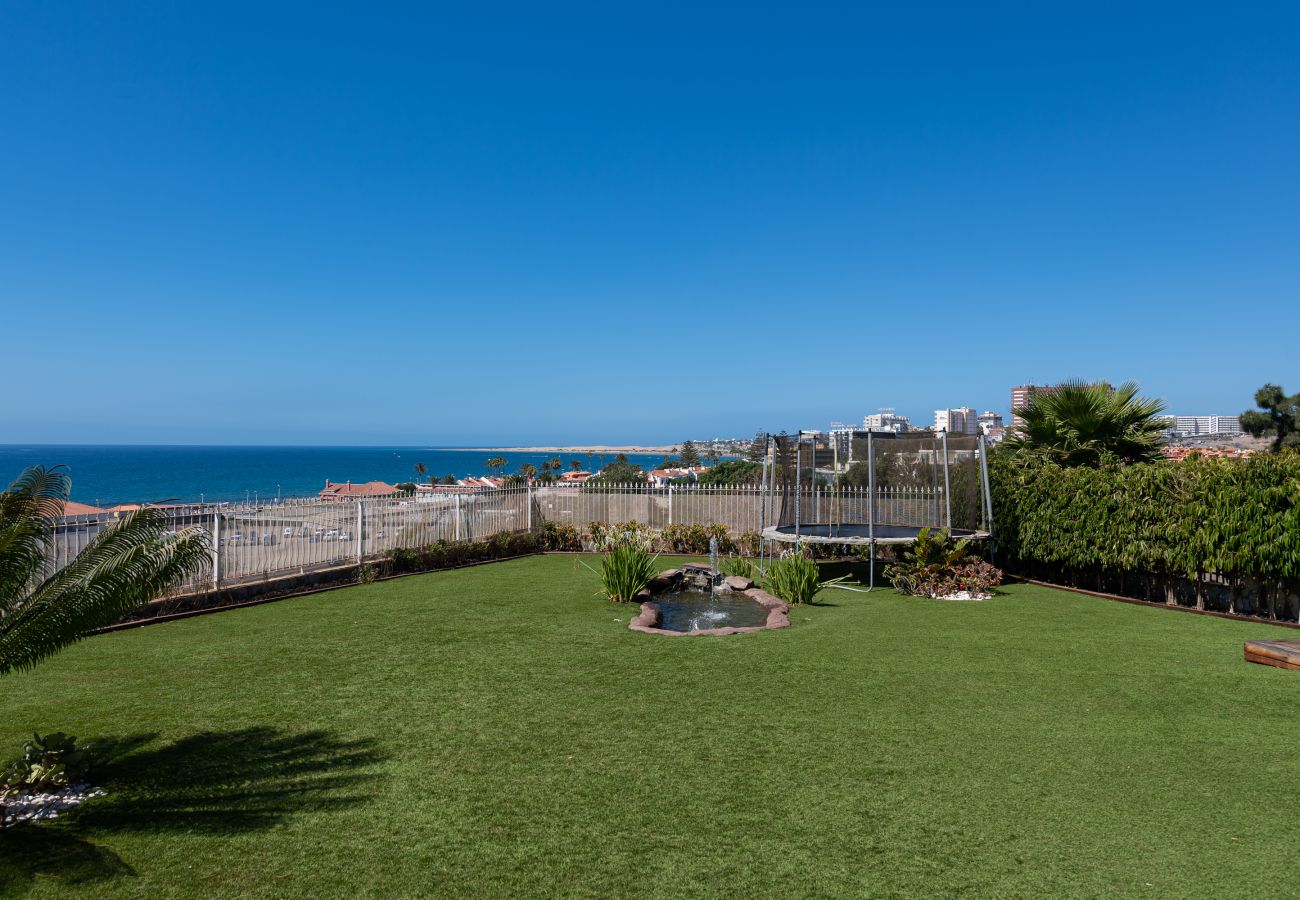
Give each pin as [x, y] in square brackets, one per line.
[560, 536]
[625, 571]
[448, 554]
[51, 761]
[793, 578]
[680, 538]
[738, 566]
[367, 573]
[623, 534]
[405, 559]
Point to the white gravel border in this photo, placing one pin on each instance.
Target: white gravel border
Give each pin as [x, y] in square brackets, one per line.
[47, 804]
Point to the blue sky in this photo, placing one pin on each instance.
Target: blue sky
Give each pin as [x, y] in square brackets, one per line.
[329, 223]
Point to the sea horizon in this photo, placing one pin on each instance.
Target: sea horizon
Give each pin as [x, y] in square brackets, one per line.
[109, 474]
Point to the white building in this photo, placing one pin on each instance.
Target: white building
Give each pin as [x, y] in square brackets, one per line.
[886, 420]
[1205, 424]
[961, 420]
[990, 422]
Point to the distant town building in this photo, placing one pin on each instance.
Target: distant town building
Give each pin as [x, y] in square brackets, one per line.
[990, 422]
[1021, 394]
[1178, 454]
[662, 477]
[886, 420]
[961, 420]
[1204, 424]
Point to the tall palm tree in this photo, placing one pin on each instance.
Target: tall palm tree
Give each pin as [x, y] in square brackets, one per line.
[1082, 424]
[128, 564]
[420, 470]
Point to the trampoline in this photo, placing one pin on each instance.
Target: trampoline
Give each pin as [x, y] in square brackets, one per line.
[862, 488]
[850, 535]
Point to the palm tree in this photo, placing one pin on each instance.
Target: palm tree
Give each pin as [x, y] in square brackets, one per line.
[527, 471]
[420, 470]
[1082, 424]
[128, 564]
[575, 465]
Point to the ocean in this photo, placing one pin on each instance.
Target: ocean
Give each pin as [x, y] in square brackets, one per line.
[107, 475]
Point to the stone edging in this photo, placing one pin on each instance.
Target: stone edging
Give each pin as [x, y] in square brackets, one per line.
[645, 621]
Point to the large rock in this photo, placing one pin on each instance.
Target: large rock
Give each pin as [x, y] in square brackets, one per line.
[665, 581]
[739, 582]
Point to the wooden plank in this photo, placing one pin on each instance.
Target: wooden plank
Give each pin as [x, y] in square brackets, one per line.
[1273, 653]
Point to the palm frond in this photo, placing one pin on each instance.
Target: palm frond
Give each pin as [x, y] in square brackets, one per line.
[128, 564]
[27, 510]
[1080, 423]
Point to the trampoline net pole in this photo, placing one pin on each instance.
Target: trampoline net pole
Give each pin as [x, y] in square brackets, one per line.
[798, 485]
[871, 508]
[947, 487]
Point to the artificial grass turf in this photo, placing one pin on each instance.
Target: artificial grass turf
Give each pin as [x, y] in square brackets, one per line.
[497, 731]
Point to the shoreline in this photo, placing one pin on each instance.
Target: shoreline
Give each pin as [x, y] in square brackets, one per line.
[593, 448]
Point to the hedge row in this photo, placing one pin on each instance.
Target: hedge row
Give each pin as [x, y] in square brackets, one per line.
[448, 554]
[1213, 533]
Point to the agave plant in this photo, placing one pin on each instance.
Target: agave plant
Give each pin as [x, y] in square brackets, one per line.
[625, 571]
[1081, 424]
[129, 563]
[794, 578]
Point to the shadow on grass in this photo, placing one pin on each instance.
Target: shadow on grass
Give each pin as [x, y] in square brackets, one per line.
[215, 783]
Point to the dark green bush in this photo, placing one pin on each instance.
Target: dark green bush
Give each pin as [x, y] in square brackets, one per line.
[1216, 533]
[447, 554]
[560, 536]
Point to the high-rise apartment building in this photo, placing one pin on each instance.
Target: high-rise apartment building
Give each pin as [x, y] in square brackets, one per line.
[961, 420]
[1021, 394]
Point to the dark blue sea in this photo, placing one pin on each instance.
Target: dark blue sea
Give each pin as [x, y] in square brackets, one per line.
[106, 475]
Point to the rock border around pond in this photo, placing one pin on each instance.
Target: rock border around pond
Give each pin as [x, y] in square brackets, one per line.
[647, 620]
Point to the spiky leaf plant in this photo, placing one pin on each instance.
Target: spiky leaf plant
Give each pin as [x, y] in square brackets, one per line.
[129, 563]
[793, 578]
[625, 571]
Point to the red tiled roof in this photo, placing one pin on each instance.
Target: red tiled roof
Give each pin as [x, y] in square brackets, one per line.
[335, 490]
[73, 508]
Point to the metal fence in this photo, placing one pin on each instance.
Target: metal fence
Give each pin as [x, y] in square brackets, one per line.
[254, 542]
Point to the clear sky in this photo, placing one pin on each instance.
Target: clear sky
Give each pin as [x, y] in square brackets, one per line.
[474, 223]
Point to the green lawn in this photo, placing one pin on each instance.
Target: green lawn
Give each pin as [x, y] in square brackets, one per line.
[497, 731]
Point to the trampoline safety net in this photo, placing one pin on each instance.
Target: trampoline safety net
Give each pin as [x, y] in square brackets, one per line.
[844, 482]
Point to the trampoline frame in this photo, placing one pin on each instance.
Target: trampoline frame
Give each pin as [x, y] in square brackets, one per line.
[805, 532]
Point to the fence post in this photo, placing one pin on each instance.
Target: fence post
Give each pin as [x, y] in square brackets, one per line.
[361, 554]
[670, 504]
[216, 548]
[457, 496]
[530, 507]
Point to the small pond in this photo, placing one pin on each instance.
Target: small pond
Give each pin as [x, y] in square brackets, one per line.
[697, 610]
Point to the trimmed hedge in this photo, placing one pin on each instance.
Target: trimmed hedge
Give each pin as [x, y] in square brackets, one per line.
[1211, 533]
[447, 554]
